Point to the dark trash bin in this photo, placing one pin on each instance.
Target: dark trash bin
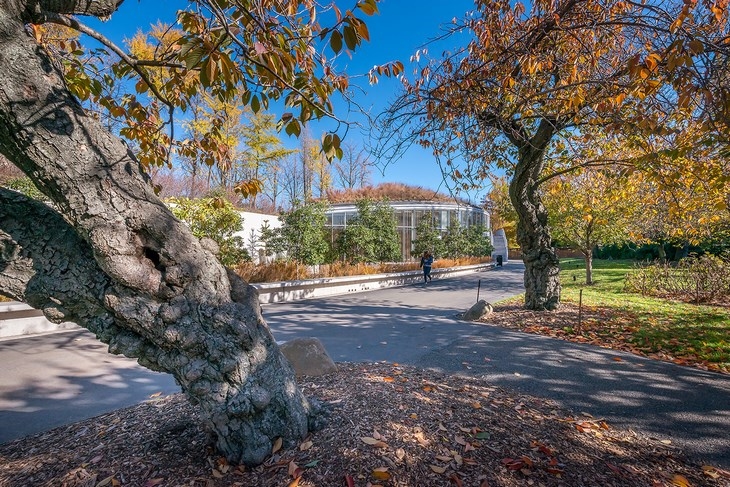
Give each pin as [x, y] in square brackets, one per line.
[499, 260]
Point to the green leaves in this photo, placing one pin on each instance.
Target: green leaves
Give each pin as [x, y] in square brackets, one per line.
[336, 41]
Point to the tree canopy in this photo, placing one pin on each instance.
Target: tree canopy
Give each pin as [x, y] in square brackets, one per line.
[530, 83]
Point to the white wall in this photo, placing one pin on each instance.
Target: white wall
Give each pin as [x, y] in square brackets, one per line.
[252, 223]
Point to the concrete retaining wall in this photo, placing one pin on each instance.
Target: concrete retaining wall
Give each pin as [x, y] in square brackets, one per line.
[276, 292]
[17, 319]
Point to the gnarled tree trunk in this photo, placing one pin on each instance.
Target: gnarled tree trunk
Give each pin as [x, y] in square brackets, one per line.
[112, 258]
[542, 283]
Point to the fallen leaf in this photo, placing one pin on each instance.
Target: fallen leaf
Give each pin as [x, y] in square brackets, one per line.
[109, 481]
[277, 445]
[456, 480]
[216, 473]
[381, 473]
[156, 394]
[306, 446]
[349, 481]
[388, 379]
[680, 481]
[437, 469]
[373, 442]
[295, 482]
[710, 471]
[421, 438]
[311, 464]
[153, 482]
[294, 470]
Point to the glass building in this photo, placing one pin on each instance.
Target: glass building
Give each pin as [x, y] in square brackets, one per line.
[408, 214]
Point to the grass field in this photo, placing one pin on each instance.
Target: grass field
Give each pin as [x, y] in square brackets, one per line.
[697, 333]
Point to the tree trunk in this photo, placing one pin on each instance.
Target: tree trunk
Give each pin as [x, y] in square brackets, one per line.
[589, 266]
[112, 258]
[542, 284]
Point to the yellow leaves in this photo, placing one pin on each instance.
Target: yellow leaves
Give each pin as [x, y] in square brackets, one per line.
[680, 481]
[369, 7]
[249, 187]
[652, 61]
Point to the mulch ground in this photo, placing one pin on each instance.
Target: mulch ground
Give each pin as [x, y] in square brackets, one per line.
[389, 425]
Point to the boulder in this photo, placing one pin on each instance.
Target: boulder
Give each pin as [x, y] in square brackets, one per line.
[307, 356]
[478, 311]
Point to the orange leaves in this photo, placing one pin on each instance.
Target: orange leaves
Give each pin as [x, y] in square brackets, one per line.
[380, 473]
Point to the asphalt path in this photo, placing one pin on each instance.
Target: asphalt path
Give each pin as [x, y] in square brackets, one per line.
[50, 380]
[419, 325]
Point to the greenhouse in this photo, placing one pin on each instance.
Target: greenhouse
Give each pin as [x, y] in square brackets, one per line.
[408, 214]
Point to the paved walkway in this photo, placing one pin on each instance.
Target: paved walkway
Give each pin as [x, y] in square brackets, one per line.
[415, 325]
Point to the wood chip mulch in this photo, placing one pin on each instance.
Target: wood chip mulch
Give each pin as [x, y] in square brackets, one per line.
[389, 425]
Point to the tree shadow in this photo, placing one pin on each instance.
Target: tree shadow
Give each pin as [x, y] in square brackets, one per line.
[79, 380]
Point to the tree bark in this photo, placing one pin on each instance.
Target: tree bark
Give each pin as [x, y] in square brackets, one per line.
[588, 255]
[111, 257]
[542, 284]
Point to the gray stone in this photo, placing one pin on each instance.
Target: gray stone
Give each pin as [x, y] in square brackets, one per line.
[308, 357]
[478, 311]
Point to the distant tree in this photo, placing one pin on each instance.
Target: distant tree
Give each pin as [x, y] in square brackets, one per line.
[217, 219]
[303, 233]
[479, 243]
[454, 243]
[591, 208]
[261, 152]
[502, 214]
[271, 239]
[354, 169]
[372, 236]
[428, 236]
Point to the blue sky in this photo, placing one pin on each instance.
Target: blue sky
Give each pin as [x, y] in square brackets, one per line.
[401, 27]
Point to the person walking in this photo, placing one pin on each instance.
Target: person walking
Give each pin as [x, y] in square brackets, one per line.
[426, 263]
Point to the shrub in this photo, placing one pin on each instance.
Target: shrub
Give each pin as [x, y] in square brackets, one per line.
[702, 279]
[214, 218]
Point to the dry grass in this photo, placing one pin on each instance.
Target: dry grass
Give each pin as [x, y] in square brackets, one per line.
[290, 271]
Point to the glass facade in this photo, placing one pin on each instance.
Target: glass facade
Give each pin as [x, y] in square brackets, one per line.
[408, 214]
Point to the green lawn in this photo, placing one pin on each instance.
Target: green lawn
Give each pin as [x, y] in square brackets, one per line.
[683, 330]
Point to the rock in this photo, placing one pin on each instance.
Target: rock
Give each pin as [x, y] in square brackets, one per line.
[478, 311]
[308, 357]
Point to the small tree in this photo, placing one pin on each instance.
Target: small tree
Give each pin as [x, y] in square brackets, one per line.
[272, 240]
[455, 241]
[303, 233]
[372, 236]
[479, 243]
[217, 219]
[428, 236]
[588, 209]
